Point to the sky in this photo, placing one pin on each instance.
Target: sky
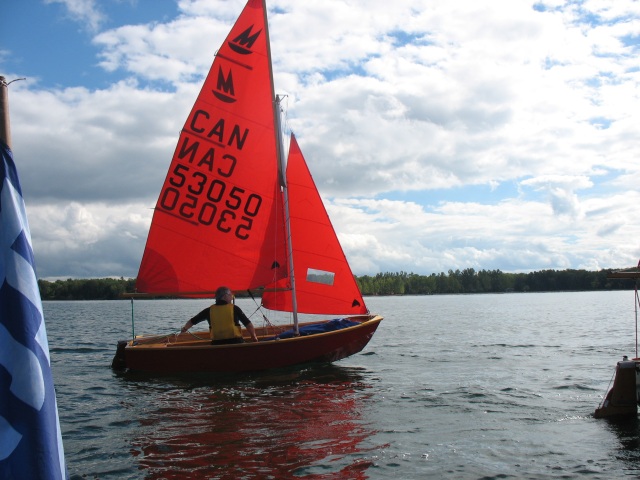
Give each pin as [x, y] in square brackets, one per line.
[442, 134]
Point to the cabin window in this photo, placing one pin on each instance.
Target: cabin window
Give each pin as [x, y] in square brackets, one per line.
[320, 276]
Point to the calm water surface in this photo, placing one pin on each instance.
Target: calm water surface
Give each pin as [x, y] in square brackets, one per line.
[464, 386]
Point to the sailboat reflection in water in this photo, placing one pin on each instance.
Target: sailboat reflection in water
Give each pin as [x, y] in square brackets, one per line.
[231, 213]
[305, 424]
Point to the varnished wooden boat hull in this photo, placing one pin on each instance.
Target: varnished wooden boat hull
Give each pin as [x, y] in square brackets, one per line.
[184, 353]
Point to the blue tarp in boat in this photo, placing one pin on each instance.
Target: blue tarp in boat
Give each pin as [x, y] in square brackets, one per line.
[330, 326]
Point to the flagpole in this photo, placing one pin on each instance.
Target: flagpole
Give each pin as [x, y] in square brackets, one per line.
[5, 130]
[31, 440]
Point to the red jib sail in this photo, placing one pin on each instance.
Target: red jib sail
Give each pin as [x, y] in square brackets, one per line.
[324, 281]
[218, 219]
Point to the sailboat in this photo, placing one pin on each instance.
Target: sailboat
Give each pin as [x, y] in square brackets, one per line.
[233, 212]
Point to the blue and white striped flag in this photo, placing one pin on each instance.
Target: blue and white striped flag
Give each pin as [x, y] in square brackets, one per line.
[30, 439]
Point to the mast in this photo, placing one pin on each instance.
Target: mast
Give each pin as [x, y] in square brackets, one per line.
[282, 170]
[287, 219]
[5, 129]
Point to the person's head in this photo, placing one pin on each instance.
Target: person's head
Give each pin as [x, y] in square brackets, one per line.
[224, 294]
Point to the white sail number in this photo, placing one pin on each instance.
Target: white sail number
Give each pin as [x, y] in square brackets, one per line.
[197, 198]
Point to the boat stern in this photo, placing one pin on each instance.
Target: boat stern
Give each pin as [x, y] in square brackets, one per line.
[622, 399]
[119, 362]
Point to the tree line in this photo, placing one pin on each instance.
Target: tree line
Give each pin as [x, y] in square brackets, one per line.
[399, 283]
[86, 289]
[488, 281]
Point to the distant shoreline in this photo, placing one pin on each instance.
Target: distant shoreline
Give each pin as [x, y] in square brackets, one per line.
[468, 281]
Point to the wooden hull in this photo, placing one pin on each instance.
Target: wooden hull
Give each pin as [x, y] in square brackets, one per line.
[185, 353]
[622, 399]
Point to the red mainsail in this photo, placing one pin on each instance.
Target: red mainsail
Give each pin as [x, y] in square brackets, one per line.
[324, 281]
[218, 219]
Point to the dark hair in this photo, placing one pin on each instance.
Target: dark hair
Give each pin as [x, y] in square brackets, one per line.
[221, 292]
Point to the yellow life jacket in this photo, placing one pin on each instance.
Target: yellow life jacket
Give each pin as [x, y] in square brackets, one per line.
[222, 324]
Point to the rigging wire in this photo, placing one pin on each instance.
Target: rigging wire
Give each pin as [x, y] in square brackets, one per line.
[604, 398]
[636, 309]
[259, 308]
[192, 334]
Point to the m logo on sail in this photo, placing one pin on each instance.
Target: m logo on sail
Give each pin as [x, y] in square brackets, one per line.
[224, 87]
[242, 43]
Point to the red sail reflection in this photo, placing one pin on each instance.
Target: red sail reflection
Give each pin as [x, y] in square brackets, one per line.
[293, 426]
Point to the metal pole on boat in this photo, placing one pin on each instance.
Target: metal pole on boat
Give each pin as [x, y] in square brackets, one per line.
[282, 170]
[636, 308]
[287, 219]
[5, 130]
[133, 327]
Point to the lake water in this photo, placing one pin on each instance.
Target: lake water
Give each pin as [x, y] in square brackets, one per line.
[455, 387]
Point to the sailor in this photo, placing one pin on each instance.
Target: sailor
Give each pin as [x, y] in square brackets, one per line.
[224, 319]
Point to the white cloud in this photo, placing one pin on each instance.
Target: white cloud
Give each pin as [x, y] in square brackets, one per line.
[179, 51]
[428, 95]
[86, 12]
[88, 240]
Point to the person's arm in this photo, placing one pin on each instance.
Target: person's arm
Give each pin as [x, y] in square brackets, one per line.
[240, 315]
[252, 331]
[203, 315]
